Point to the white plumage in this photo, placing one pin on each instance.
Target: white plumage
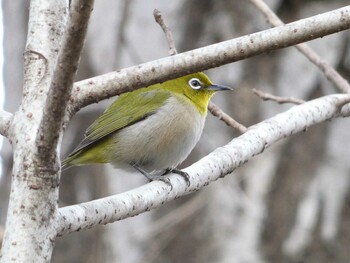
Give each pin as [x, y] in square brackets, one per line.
[163, 140]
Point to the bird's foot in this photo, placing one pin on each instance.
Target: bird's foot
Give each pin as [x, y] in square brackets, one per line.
[159, 176]
[179, 172]
[154, 176]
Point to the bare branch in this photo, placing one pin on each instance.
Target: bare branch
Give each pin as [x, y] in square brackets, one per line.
[217, 112]
[217, 164]
[280, 100]
[62, 80]
[331, 74]
[104, 86]
[169, 36]
[5, 122]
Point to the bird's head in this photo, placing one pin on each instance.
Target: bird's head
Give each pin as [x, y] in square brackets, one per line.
[196, 87]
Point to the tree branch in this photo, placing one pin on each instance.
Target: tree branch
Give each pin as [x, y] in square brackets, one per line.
[331, 74]
[62, 81]
[5, 122]
[169, 36]
[217, 164]
[280, 100]
[219, 113]
[104, 86]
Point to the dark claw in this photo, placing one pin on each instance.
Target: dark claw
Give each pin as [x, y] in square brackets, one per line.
[179, 172]
[165, 180]
[159, 176]
[153, 177]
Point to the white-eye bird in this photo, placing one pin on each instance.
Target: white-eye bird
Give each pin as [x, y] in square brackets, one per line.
[152, 129]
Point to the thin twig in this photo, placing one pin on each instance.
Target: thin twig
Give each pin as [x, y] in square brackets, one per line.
[331, 74]
[214, 109]
[219, 113]
[169, 36]
[280, 100]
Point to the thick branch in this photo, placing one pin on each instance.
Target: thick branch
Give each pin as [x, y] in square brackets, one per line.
[5, 122]
[62, 80]
[217, 164]
[114, 83]
[331, 74]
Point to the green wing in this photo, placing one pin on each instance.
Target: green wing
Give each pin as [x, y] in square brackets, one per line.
[128, 109]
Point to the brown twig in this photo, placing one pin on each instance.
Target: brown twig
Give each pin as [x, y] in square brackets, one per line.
[331, 74]
[214, 109]
[280, 100]
[219, 113]
[169, 36]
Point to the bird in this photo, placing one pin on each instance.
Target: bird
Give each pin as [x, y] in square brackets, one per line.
[152, 129]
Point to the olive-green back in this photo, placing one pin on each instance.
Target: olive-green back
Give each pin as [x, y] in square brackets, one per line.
[126, 110]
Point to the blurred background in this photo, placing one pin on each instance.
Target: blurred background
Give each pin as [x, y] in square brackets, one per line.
[290, 204]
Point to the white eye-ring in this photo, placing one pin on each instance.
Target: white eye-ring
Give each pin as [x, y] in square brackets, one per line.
[195, 83]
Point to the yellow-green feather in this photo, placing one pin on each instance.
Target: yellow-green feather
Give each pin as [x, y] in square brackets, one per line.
[126, 110]
[200, 98]
[95, 154]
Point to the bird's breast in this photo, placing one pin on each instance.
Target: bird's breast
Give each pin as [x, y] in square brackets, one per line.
[162, 140]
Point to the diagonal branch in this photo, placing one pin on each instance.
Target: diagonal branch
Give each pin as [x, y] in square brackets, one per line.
[331, 74]
[104, 86]
[62, 80]
[212, 167]
[221, 115]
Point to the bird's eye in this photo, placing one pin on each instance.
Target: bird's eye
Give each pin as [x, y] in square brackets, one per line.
[195, 83]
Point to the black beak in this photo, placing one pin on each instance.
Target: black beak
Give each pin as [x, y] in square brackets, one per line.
[215, 87]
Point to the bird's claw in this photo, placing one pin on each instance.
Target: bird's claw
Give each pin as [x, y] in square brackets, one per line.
[163, 179]
[160, 176]
[179, 172]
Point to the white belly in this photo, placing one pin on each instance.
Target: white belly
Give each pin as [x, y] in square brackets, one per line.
[163, 140]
